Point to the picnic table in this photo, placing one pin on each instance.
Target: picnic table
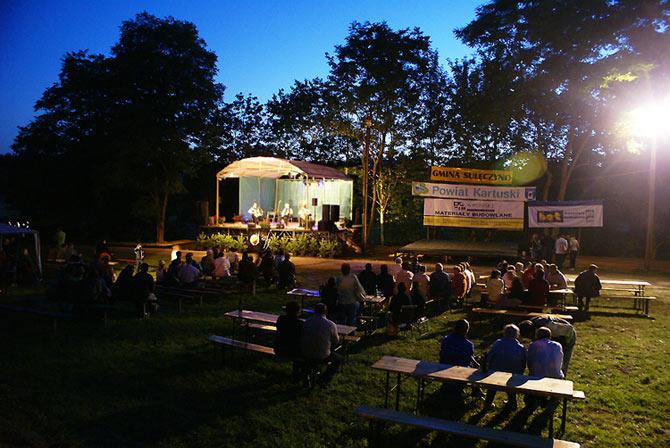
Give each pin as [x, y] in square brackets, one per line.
[302, 292]
[268, 318]
[561, 293]
[636, 286]
[424, 371]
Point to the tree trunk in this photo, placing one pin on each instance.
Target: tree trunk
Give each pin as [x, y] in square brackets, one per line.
[160, 218]
[381, 227]
[547, 185]
[364, 189]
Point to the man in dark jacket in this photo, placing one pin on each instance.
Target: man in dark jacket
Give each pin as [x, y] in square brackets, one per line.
[587, 285]
[144, 291]
[289, 332]
[439, 285]
[368, 280]
[286, 271]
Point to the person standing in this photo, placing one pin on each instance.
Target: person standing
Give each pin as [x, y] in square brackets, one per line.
[368, 279]
[573, 245]
[349, 293]
[587, 285]
[560, 251]
[506, 355]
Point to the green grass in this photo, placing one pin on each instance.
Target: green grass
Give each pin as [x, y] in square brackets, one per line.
[159, 383]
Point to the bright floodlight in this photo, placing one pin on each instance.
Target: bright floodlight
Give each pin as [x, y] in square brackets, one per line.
[650, 120]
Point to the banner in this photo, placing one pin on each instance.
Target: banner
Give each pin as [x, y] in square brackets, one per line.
[467, 213]
[565, 214]
[461, 191]
[471, 176]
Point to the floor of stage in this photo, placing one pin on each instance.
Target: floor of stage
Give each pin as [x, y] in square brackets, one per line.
[462, 248]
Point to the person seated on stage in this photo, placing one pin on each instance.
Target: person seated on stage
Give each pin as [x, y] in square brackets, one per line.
[538, 290]
[289, 333]
[256, 212]
[267, 268]
[247, 270]
[286, 272]
[545, 357]
[188, 273]
[368, 280]
[506, 355]
[350, 293]
[422, 281]
[233, 259]
[494, 288]
[304, 214]
[587, 285]
[329, 297]
[385, 282]
[509, 276]
[395, 307]
[458, 284]
[440, 285]
[286, 212]
[207, 263]
[221, 267]
[561, 331]
[528, 274]
[319, 339]
[405, 276]
[556, 278]
[514, 297]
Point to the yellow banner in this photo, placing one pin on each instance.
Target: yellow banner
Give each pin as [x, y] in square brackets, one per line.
[471, 176]
[489, 223]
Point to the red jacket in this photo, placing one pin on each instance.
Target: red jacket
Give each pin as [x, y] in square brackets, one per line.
[458, 284]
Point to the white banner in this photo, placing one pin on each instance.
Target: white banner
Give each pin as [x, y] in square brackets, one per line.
[565, 214]
[477, 192]
[468, 213]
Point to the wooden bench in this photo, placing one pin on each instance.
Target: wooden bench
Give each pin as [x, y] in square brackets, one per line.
[516, 313]
[187, 294]
[53, 315]
[376, 415]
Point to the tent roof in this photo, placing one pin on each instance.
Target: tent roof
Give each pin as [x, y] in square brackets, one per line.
[6, 229]
[273, 168]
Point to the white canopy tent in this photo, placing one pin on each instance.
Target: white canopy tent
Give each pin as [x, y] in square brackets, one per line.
[6, 229]
[272, 168]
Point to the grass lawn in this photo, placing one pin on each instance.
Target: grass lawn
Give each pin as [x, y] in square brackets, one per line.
[159, 383]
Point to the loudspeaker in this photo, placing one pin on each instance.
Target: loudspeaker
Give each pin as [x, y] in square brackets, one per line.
[315, 202]
[325, 212]
[334, 213]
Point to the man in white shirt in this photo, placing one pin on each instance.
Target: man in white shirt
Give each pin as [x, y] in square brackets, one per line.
[405, 276]
[494, 287]
[560, 251]
[319, 337]
[573, 245]
[422, 280]
[233, 259]
[286, 212]
[556, 278]
[188, 275]
[350, 292]
[508, 277]
[221, 267]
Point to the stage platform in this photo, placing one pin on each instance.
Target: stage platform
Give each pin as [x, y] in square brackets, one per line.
[462, 248]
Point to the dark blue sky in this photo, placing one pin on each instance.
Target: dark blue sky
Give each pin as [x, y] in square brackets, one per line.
[262, 45]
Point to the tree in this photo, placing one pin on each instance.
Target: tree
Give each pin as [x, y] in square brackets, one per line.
[568, 55]
[377, 80]
[386, 188]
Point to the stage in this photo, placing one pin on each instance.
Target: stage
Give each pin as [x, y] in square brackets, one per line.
[462, 248]
[236, 228]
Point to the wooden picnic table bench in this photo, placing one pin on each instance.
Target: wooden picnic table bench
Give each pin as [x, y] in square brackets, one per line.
[187, 294]
[304, 293]
[268, 318]
[374, 415]
[515, 313]
[499, 381]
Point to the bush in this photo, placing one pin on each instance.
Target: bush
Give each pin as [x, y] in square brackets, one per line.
[303, 244]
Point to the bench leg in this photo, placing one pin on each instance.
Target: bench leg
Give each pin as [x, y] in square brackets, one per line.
[397, 393]
[386, 390]
[551, 424]
[565, 415]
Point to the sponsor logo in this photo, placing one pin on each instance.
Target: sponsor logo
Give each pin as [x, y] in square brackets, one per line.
[549, 216]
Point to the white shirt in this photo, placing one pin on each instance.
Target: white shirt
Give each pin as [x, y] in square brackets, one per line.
[561, 246]
[494, 288]
[574, 245]
[221, 267]
[508, 278]
[318, 336]
[232, 257]
[304, 212]
[405, 277]
[286, 211]
[188, 273]
[423, 280]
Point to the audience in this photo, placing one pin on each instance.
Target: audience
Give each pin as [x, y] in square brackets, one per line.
[329, 297]
[385, 282]
[561, 331]
[221, 267]
[405, 276]
[188, 273]
[458, 284]
[368, 280]
[172, 278]
[515, 296]
[417, 298]
[143, 286]
[494, 288]
[506, 355]
[587, 285]
[556, 278]
[161, 273]
[439, 285]
[422, 281]
[247, 270]
[349, 293]
[456, 349]
[267, 268]
[528, 274]
[233, 259]
[207, 263]
[538, 290]
[395, 307]
[123, 286]
[318, 342]
[286, 273]
[289, 333]
[508, 276]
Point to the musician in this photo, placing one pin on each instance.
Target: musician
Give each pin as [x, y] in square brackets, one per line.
[304, 214]
[286, 212]
[256, 212]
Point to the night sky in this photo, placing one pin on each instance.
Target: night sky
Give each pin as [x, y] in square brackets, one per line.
[262, 45]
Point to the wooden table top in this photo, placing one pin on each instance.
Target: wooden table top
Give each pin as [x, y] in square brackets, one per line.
[304, 292]
[374, 299]
[560, 291]
[493, 380]
[269, 318]
[618, 282]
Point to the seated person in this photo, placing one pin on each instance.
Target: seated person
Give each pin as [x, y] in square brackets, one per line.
[247, 270]
[289, 332]
[561, 331]
[329, 296]
[188, 273]
[286, 212]
[514, 296]
[456, 349]
[545, 357]
[319, 339]
[286, 272]
[304, 215]
[207, 263]
[440, 285]
[385, 282]
[233, 259]
[397, 302]
[508, 276]
[267, 268]
[122, 289]
[538, 290]
[255, 212]
[418, 299]
[458, 284]
[494, 288]
[587, 285]
[506, 355]
[143, 285]
[556, 278]
[421, 280]
[221, 267]
[368, 280]
[528, 274]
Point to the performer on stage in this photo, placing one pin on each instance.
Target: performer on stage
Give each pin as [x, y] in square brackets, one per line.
[304, 214]
[256, 212]
[286, 212]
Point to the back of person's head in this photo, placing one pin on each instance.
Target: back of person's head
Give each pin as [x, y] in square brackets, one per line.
[144, 267]
[542, 333]
[405, 266]
[320, 308]
[128, 269]
[539, 267]
[519, 266]
[462, 327]
[539, 274]
[401, 288]
[178, 254]
[422, 268]
[331, 282]
[287, 256]
[466, 265]
[161, 263]
[553, 268]
[245, 254]
[368, 266]
[511, 268]
[210, 252]
[345, 268]
[439, 267]
[189, 256]
[457, 268]
[511, 331]
[495, 273]
[292, 309]
[527, 329]
[384, 269]
[415, 287]
[593, 267]
[398, 260]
